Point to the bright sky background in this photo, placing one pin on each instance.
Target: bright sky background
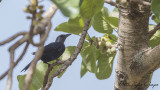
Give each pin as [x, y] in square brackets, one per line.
[13, 20]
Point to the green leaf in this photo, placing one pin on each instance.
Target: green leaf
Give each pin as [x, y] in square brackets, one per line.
[113, 21]
[69, 8]
[101, 25]
[63, 27]
[83, 69]
[74, 26]
[111, 38]
[105, 12]
[103, 22]
[155, 40]
[90, 7]
[155, 7]
[88, 54]
[115, 13]
[20, 79]
[93, 59]
[156, 20]
[37, 80]
[105, 64]
[68, 52]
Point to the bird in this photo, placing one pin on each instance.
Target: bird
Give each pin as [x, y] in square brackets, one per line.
[52, 51]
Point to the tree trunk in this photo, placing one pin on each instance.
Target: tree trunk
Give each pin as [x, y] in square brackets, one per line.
[132, 43]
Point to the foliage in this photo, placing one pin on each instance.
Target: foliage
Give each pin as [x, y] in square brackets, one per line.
[90, 7]
[74, 26]
[155, 9]
[96, 61]
[69, 8]
[155, 40]
[103, 22]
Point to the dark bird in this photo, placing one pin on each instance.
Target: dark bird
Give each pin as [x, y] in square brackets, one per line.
[53, 50]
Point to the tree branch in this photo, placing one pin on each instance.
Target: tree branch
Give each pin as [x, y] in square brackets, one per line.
[58, 62]
[152, 32]
[111, 3]
[12, 50]
[152, 60]
[32, 22]
[23, 53]
[148, 61]
[72, 58]
[45, 36]
[9, 81]
[12, 38]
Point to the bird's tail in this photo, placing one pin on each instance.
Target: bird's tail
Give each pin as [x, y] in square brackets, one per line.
[24, 69]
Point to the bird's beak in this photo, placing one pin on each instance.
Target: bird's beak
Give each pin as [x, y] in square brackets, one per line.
[68, 35]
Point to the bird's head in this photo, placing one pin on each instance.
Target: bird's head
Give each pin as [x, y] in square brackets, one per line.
[62, 37]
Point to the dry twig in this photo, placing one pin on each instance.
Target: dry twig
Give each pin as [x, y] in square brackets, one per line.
[152, 32]
[12, 38]
[17, 61]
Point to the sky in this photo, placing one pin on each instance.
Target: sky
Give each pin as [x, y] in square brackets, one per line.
[13, 20]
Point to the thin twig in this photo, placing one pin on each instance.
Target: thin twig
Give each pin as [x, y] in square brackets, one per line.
[23, 53]
[12, 38]
[12, 50]
[152, 32]
[18, 43]
[45, 36]
[21, 56]
[90, 39]
[111, 3]
[32, 23]
[72, 58]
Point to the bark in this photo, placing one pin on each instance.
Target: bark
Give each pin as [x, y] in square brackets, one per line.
[132, 46]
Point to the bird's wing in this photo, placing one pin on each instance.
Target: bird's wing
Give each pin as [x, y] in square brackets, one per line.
[53, 47]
